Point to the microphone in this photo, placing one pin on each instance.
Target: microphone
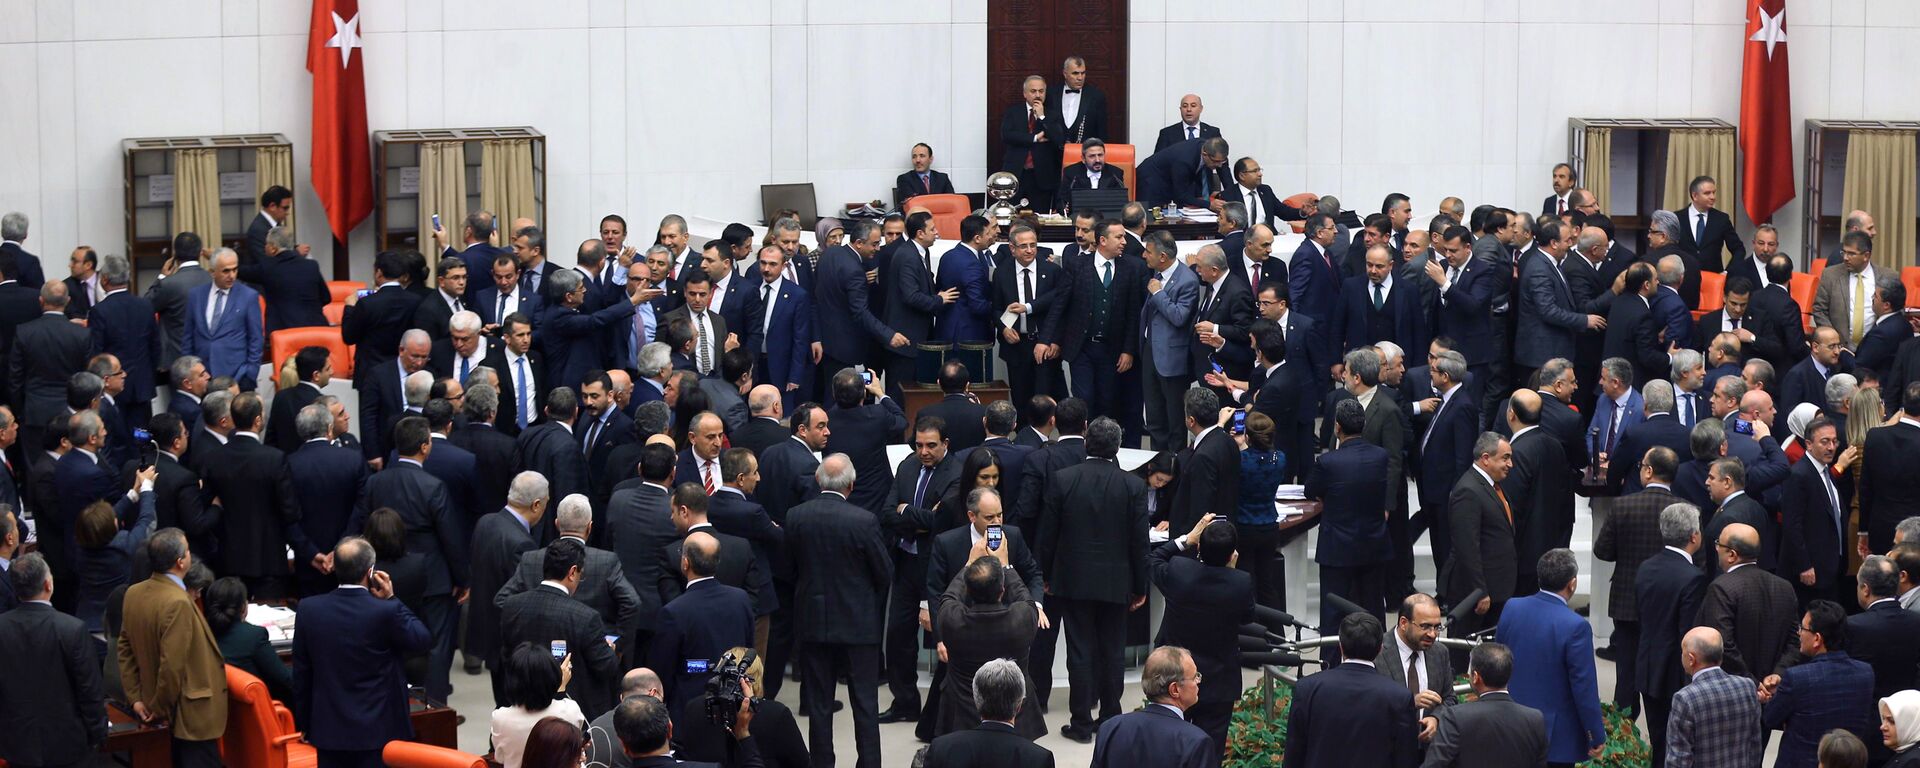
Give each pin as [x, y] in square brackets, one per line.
[1271, 658]
[1343, 605]
[1465, 607]
[1253, 644]
[1275, 619]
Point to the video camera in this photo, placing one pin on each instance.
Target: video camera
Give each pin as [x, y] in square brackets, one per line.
[724, 691]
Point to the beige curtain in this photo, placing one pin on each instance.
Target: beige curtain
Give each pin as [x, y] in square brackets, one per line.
[1597, 177]
[1696, 152]
[443, 190]
[1880, 181]
[506, 182]
[273, 166]
[196, 194]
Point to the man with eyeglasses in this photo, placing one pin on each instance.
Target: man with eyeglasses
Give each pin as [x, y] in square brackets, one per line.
[1806, 381]
[919, 483]
[1408, 661]
[1350, 714]
[113, 379]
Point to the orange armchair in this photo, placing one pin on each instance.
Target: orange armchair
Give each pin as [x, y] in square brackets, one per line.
[341, 289]
[947, 211]
[260, 730]
[1802, 288]
[1911, 277]
[1118, 155]
[408, 754]
[286, 342]
[1712, 290]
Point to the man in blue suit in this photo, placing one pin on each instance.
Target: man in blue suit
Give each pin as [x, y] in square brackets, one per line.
[569, 338]
[1545, 303]
[787, 348]
[1830, 690]
[349, 686]
[1553, 661]
[1465, 297]
[1189, 173]
[1159, 734]
[1619, 409]
[1350, 713]
[291, 282]
[970, 319]
[1444, 451]
[1353, 534]
[1313, 282]
[505, 293]
[701, 624]
[122, 325]
[843, 321]
[329, 480]
[1375, 307]
[1166, 327]
[223, 323]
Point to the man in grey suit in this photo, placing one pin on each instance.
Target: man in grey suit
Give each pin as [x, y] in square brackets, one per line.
[1166, 322]
[1545, 303]
[1716, 717]
[710, 337]
[603, 582]
[1408, 656]
[1493, 731]
[179, 276]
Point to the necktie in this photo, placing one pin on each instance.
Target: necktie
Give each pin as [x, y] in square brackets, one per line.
[1432, 421]
[500, 309]
[926, 184]
[700, 340]
[1029, 133]
[1026, 294]
[1859, 314]
[1106, 275]
[523, 397]
[1833, 495]
[1413, 673]
[1503, 503]
[706, 474]
[1686, 409]
[920, 489]
[1379, 299]
[1193, 132]
[1699, 227]
[219, 308]
[1206, 298]
[766, 314]
[1613, 426]
[1206, 181]
[926, 260]
[1559, 205]
[593, 436]
[1735, 322]
[464, 367]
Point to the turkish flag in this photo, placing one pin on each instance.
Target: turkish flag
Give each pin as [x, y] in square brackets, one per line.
[342, 174]
[1766, 134]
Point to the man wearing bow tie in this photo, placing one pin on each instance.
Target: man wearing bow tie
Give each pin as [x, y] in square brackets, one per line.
[1078, 110]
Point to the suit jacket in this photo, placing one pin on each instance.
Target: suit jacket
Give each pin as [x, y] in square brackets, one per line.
[1484, 554]
[349, 685]
[27, 265]
[908, 184]
[1602, 436]
[1720, 238]
[507, 418]
[1040, 465]
[486, 302]
[46, 352]
[1176, 133]
[479, 260]
[1077, 176]
[1545, 304]
[1630, 535]
[1676, 320]
[1660, 429]
[1050, 292]
[1354, 504]
[169, 660]
[615, 430]
[294, 290]
[53, 708]
[964, 417]
[699, 626]
[432, 533]
[1811, 528]
[1889, 489]
[1747, 510]
[1209, 479]
[1166, 321]
[1176, 174]
[544, 614]
[1097, 512]
[1667, 588]
[1553, 671]
[432, 316]
[740, 567]
[1784, 323]
[786, 477]
[1273, 210]
[499, 540]
[375, 324]
[253, 249]
[603, 586]
[1230, 309]
[261, 508]
[1465, 311]
[1803, 383]
[969, 319]
[1206, 604]
[1016, 136]
[287, 403]
[1438, 667]
[948, 557]
[122, 325]
[1832, 690]
[1443, 445]
[329, 481]
[570, 340]
[1541, 492]
[863, 433]
[1882, 340]
[1882, 636]
[178, 503]
[639, 527]
[1833, 302]
[910, 303]
[1399, 320]
[1089, 122]
[759, 434]
[788, 341]
[989, 743]
[382, 400]
[169, 296]
[842, 320]
[844, 571]
[1077, 320]
[1152, 735]
[552, 450]
[1715, 721]
[1497, 731]
[1350, 715]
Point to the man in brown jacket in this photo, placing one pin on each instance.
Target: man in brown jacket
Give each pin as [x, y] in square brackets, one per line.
[160, 622]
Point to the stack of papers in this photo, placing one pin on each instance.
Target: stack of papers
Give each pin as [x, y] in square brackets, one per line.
[1157, 536]
[1198, 214]
[277, 620]
[1290, 493]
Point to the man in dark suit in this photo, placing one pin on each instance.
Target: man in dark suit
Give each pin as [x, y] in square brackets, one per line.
[1482, 522]
[862, 430]
[477, 251]
[1881, 633]
[551, 449]
[122, 325]
[1097, 512]
[1031, 141]
[349, 686]
[46, 351]
[960, 412]
[1210, 469]
[964, 269]
[1349, 714]
[425, 505]
[843, 574]
[454, 465]
[1189, 127]
[1467, 288]
[13, 233]
[261, 509]
[1831, 690]
[276, 204]
[176, 489]
[1629, 536]
[53, 708]
[603, 581]
[909, 521]
[1264, 208]
[784, 333]
[1374, 307]
[329, 481]
[376, 322]
[1660, 427]
[570, 337]
[1540, 491]
[523, 378]
[503, 296]
[1707, 231]
[83, 283]
[1094, 330]
[639, 527]
[492, 449]
[1189, 173]
[383, 391]
[1753, 609]
[911, 301]
[1313, 281]
[1207, 601]
[923, 179]
[999, 693]
[1355, 505]
[1814, 507]
[602, 425]
[290, 282]
[1032, 289]
[548, 612]
[1544, 303]
[439, 306]
[701, 623]
[1409, 661]
[1077, 110]
[313, 368]
[1667, 589]
[843, 321]
[1447, 423]
[1887, 329]
[1889, 488]
[737, 565]
[1158, 734]
[1491, 730]
[1726, 482]
[1222, 315]
[1092, 172]
[1553, 661]
[179, 276]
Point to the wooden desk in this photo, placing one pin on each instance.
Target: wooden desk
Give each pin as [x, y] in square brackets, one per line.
[1297, 533]
[435, 724]
[919, 396]
[151, 746]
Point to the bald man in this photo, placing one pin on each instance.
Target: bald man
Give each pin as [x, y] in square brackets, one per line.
[701, 624]
[764, 412]
[1189, 127]
[1713, 716]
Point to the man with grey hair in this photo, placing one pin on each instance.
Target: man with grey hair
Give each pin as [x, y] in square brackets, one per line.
[844, 570]
[13, 236]
[603, 581]
[122, 324]
[291, 283]
[999, 690]
[463, 348]
[229, 334]
[1883, 633]
[1166, 325]
[1224, 314]
[1887, 328]
[1688, 372]
[329, 480]
[1658, 427]
[500, 538]
[383, 392]
[1158, 733]
[1673, 301]
[572, 333]
[1667, 590]
[656, 371]
[1553, 668]
[492, 449]
[1383, 425]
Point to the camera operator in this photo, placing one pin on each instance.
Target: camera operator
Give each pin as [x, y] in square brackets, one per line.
[646, 731]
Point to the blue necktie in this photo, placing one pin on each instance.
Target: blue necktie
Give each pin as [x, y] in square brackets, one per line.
[523, 400]
[464, 362]
[1699, 227]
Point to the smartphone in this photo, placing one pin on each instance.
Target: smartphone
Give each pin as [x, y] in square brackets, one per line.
[364, 292]
[1743, 426]
[994, 536]
[559, 649]
[1219, 370]
[149, 450]
[866, 376]
[1239, 422]
[612, 639]
[436, 222]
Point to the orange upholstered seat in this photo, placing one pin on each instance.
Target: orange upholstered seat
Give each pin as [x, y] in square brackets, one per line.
[260, 730]
[341, 289]
[1712, 291]
[1118, 155]
[408, 754]
[947, 211]
[284, 343]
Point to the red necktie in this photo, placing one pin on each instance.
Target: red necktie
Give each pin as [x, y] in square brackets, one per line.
[1029, 133]
[706, 475]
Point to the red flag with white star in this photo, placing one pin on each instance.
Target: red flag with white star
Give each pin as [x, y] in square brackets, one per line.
[1766, 133]
[341, 171]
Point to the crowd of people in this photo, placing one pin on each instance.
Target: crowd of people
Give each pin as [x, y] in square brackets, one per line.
[605, 483]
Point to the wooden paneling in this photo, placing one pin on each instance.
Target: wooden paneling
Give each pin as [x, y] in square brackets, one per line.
[1032, 37]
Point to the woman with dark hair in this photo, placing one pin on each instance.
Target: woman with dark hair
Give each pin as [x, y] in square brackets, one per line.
[1159, 474]
[387, 533]
[105, 558]
[773, 728]
[981, 470]
[535, 687]
[1261, 468]
[244, 645]
[553, 743]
